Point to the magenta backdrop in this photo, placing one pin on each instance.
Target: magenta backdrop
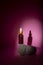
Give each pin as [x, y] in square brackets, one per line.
[12, 19]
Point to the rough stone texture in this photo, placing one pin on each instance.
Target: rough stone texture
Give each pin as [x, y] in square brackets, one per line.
[26, 50]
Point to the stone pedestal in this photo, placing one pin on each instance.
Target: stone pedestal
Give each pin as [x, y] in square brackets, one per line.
[26, 50]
